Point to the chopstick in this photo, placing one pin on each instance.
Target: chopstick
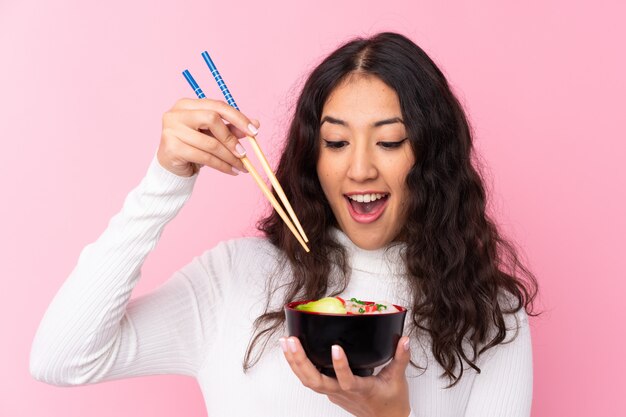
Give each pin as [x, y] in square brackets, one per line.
[255, 146]
[299, 233]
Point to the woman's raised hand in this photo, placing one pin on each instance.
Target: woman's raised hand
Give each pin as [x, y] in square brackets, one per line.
[199, 132]
[386, 394]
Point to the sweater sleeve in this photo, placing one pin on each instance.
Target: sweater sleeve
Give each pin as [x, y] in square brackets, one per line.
[504, 386]
[92, 331]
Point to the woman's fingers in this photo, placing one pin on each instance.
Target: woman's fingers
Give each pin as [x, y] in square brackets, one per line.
[240, 133]
[197, 156]
[346, 379]
[211, 122]
[210, 145]
[396, 369]
[224, 110]
[305, 370]
[210, 127]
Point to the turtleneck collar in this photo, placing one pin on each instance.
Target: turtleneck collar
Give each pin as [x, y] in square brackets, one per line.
[385, 261]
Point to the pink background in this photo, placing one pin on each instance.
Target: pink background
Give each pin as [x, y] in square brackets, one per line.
[84, 86]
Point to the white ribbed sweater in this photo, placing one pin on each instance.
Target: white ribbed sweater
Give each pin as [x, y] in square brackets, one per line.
[199, 323]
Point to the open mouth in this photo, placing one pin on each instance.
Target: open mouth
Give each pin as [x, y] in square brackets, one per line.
[366, 208]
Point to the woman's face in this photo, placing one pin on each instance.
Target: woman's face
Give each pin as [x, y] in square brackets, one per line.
[365, 156]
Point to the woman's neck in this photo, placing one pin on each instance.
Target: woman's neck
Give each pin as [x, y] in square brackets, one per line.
[384, 261]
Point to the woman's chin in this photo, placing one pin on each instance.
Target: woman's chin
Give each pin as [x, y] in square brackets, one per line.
[368, 240]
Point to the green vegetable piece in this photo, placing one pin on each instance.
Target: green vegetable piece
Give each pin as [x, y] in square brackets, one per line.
[324, 305]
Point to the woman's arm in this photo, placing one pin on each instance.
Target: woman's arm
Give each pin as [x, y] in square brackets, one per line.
[505, 385]
[90, 332]
[87, 334]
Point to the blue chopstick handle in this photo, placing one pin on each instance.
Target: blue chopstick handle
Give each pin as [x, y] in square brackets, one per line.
[194, 85]
[220, 82]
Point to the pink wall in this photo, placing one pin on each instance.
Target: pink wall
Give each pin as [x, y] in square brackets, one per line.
[84, 86]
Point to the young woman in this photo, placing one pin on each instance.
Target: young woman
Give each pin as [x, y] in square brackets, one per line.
[376, 121]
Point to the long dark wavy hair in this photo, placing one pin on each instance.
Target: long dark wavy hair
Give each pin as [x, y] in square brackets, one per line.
[458, 264]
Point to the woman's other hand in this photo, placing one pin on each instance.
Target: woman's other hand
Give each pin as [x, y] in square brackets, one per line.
[199, 132]
[385, 394]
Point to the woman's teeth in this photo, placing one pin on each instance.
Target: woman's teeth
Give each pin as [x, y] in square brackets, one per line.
[366, 208]
[366, 198]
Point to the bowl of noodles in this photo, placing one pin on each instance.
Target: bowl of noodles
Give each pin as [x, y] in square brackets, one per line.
[367, 331]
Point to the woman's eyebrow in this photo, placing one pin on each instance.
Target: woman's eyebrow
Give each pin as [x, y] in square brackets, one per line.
[336, 121]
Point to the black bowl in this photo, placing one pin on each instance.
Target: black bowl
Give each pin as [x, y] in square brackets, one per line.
[369, 340]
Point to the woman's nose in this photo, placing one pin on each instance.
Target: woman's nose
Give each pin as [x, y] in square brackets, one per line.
[361, 166]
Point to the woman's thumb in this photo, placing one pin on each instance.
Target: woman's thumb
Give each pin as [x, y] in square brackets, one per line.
[401, 358]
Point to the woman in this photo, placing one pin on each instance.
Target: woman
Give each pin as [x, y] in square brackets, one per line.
[376, 120]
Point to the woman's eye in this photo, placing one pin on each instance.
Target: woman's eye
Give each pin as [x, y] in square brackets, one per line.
[392, 145]
[334, 144]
